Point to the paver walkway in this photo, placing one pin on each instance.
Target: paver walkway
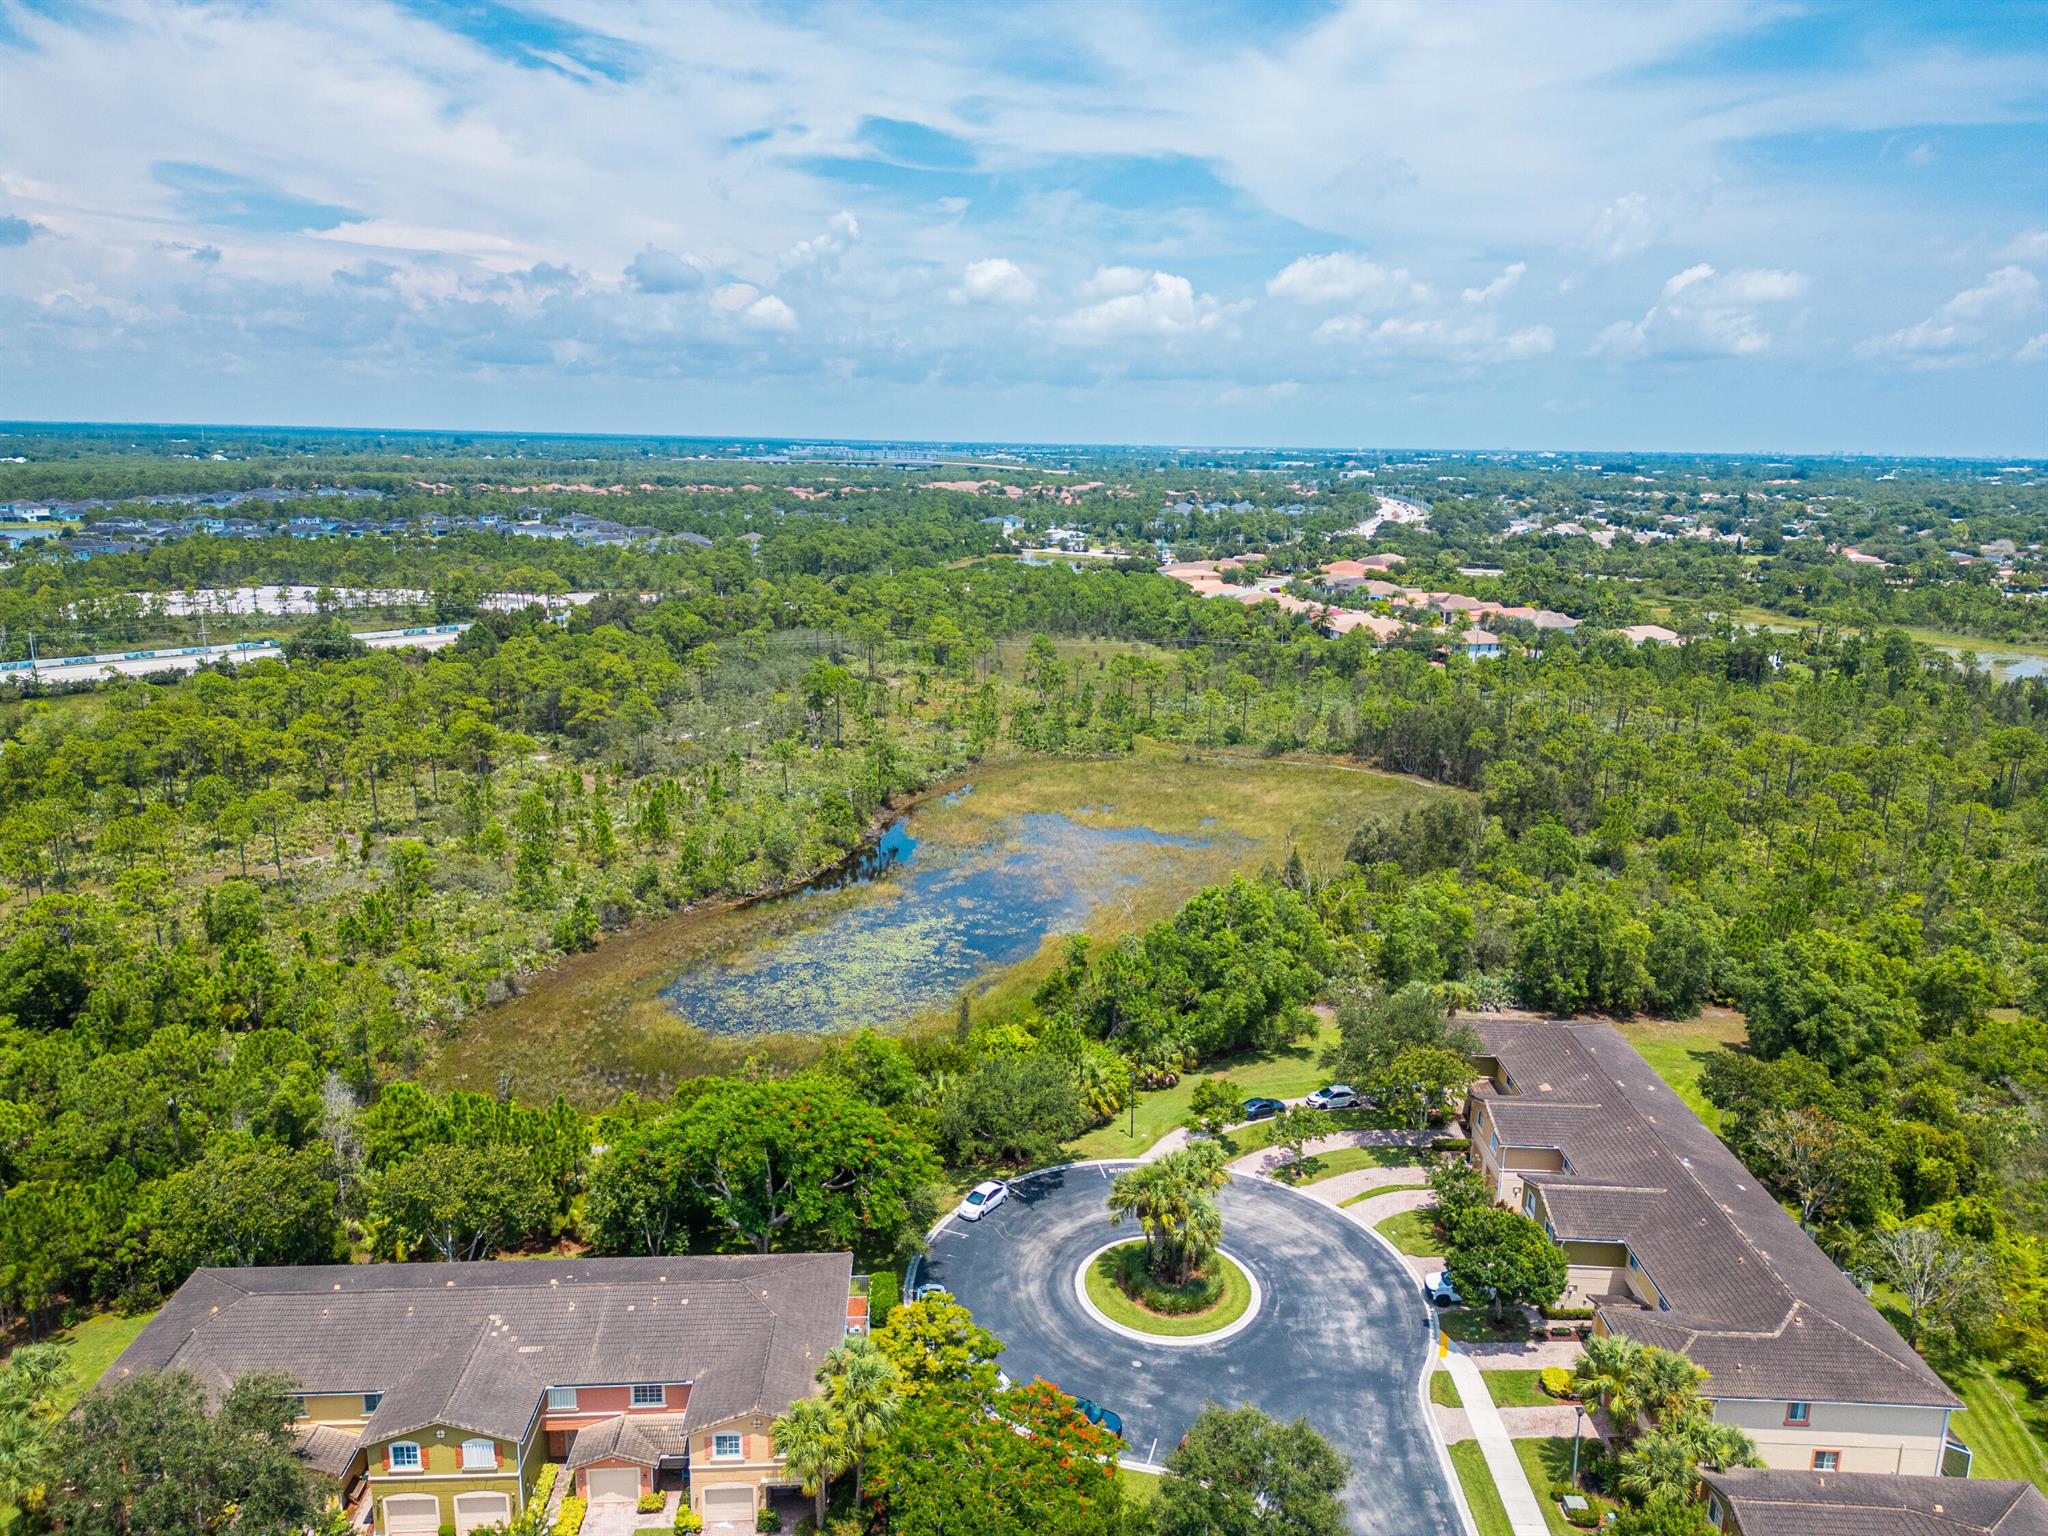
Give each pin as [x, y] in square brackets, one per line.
[1551, 1421]
[1370, 1213]
[1525, 1515]
[1533, 1354]
[1342, 1186]
[1267, 1159]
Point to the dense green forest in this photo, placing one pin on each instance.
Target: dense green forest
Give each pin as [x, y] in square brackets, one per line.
[244, 909]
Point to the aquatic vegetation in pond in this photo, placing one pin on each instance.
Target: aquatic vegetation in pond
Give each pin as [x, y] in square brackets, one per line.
[934, 920]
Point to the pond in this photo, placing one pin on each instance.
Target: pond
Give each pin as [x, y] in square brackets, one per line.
[934, 919]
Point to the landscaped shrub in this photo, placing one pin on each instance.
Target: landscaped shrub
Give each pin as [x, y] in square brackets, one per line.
[1451, 1144]
[650, 1502]
[447, 1528]
[1555, 1380]
[1136, 1282]
[885, 1294]
[544, 1481]
[767, 1520]
[688, 1521]
[569, 1519]
[1568, 1314]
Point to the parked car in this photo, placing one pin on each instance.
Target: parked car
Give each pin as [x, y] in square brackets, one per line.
[930, 1289]
[983, 1198]
[1336, 1096]
[1101, 1417]
[1437, 1286]
[1262, 1109]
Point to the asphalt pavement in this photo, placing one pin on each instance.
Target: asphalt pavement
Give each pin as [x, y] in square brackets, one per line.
[1340, 1339]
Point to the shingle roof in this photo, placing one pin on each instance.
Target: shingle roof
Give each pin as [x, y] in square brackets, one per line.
[1752, 1299]
[641, 1441]
[473, 1346]
[1780, 1503]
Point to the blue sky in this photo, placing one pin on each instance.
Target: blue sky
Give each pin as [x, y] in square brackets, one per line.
[1713, 224]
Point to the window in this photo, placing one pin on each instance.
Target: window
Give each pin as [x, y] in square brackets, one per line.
[1528, 1201]
[649, 1394]
[562, 1399]
[726, 1447]
[479, 1456]
[371, 1400]
[1827, 1461]
[405, 1456]
[1714, 1509]
[298, 1407]
[1799, 1413]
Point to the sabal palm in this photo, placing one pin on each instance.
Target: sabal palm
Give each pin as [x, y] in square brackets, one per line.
[1608, 1368]
[1666, 1387]
[807, 1439]
[866, 1395]
[1714, 1444]
[24, 1459]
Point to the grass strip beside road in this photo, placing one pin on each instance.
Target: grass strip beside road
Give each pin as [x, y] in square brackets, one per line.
[1110, 1299]
[1518, 1389]
[1488, 1513]
[1413, 1232]
[1443, 1389]
[1547, 1461]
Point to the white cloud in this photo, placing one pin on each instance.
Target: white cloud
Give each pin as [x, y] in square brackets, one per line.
[2031, 246]
[996, 280]
[1140, 303]
[1704, 312]
[1921, 155]
[657, 271]
[1510, 275]
[2035, 350]
[1626, 227]
[733, 297]
[1968, 327]
[1342, 277]
[841, 231]
[771, 314]
[1474, 341]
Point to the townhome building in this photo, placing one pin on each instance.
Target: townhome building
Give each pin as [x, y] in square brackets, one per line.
[434, 1393]
[1670, 1240]
[1747, 1501]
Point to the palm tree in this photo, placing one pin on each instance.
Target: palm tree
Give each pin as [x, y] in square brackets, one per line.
[1658, 1466]
[1666, 1387]
[1608, 1368]
[1715, 1444]
[866, 1394]
[808, 1441]
[1174, 1202]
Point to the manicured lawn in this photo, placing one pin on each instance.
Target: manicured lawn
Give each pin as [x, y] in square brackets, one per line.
[1517, 1389]
[94, 1345]
[1488, 1513]
[1257, 1136]
[1677, 1050]
[1109, 1296]
[2002, 1425]
[1470, 1325]
[1284, 1074]
[1143, 1487]
[1350, 1159]
[1443, 1390]
[1547, 1462]
[1413, 1232]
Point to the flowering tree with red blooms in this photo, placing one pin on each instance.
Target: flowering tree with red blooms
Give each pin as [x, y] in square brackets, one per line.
[960, 1464]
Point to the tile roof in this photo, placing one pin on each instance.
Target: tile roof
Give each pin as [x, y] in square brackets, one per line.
[1780, 1503]
[474, 1346]
[618, 1438]
[1751, 1298]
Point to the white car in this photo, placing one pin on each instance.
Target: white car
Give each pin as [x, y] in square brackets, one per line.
[929, 1290]
[983, 1198]
[1336, 1096]
[1436, 1285]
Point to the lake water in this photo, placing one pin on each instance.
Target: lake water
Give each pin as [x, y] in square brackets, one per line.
[932, 922]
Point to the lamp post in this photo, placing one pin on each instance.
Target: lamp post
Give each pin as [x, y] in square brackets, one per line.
[1578, 1423]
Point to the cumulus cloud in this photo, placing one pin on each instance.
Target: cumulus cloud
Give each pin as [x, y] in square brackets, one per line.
[657, 271]
[751, 305]
[1510, 275]
[1969, 327]
[1626, 227]
[998, 280]
[1343, 277]
[841, 231]
[2031, 246]
[1133, 302]
[1702, 312]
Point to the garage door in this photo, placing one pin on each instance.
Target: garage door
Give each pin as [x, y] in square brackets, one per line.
[613, 1483]
[473, 1510]
[412, 1514]
[732, 1506]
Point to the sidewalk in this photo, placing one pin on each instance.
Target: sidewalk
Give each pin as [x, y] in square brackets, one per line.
[1525, 1515]
[1180, 1136]
[1267, 1159]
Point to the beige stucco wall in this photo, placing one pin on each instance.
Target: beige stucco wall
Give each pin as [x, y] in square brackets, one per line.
[756, 1466]
[1870, 1437]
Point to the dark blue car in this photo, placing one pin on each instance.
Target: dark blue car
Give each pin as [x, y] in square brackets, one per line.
[1101, 1417]
[1262, 1109]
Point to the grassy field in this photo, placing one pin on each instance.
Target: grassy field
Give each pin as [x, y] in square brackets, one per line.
[1287, 1073]
[1141, 1486]
[1488, 1513]
[1677, 1050]
[1327, 1165]
[1516, 1389]
[94, 1345]
[2003, 1426]
[1107, 1295]
[1413, 1232]
[1443, 1390]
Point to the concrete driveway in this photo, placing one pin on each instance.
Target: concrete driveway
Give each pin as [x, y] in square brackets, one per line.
[1340, 1340]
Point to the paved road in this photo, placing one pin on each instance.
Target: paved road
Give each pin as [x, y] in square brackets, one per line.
[1340, 1340]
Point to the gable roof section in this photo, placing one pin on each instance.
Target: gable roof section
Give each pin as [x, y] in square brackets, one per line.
[473, 1346]
[1752, 1299]
[1780, 1503]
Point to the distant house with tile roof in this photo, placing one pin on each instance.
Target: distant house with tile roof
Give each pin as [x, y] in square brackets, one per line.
[1673, 1242]
[435, 1392]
